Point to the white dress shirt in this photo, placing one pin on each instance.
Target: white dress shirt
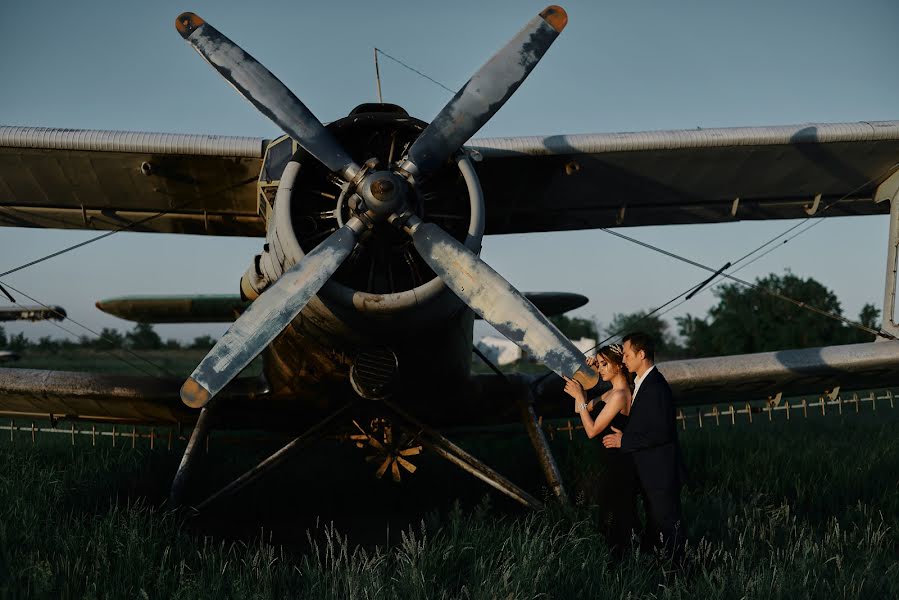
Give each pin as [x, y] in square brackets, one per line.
[637, 381]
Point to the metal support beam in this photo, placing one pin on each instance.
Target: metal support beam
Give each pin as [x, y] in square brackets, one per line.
[188, 460]
[525, 402]
[890, 324]
[277, 459]
[443, 447]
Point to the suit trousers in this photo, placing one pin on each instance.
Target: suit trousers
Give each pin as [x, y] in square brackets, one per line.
[664, 528]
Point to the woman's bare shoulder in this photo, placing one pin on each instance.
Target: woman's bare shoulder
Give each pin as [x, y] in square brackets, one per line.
[616, 397]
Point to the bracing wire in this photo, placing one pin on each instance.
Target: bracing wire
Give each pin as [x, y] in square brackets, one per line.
[123, 228]
[100, 336]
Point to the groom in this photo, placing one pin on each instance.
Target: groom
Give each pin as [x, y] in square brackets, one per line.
[651, 438]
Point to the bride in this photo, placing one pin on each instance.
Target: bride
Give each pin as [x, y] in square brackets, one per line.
[617, 486]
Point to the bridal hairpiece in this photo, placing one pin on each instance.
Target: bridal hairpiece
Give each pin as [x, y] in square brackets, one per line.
[616, 349]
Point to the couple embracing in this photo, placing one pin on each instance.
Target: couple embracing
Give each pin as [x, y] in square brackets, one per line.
[641, 452]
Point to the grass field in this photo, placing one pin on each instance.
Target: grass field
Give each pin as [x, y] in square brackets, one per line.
[180, 363]
[808, 509]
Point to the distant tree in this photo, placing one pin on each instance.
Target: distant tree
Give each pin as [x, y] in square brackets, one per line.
[142, 337]
[47, 344]
[2, 337]
[658, 328]
[172, 344]
[575, 328]
[203, 342]
[750, 320]
[869, 316]
[694, 331]
[110, 339]
[19, 342]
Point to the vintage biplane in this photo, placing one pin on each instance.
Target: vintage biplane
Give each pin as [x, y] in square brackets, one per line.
[363, 297]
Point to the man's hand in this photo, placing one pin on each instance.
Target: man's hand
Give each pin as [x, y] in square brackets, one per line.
[612, 440]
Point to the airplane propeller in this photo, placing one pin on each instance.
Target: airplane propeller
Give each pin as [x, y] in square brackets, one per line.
[383, 196]
[485, 93]
[268, 315]
[266, 92]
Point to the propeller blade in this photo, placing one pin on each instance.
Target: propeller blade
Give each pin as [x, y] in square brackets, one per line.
[499, 303]
[268, 315]
[266, 92]
[486, 92]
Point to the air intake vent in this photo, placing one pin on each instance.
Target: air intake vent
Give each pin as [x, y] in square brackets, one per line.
[373, 372]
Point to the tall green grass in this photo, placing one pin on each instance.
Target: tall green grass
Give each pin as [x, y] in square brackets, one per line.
[808, 510]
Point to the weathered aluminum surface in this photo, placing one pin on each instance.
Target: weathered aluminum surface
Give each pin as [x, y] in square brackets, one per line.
[267, 93]
[755, 376]
[189, 190]
[206, 308]
[499, 303]
[599, 143]
[268, 315]
[48, 138]
[587, 181]
[91, 396]
[484, 94]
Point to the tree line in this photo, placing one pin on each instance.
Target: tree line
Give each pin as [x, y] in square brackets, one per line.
[744, 320]
[142, 337]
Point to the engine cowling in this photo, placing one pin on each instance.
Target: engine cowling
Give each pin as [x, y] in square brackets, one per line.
[384, 277]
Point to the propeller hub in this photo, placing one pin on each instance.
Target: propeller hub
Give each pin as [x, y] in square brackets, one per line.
[383, 193]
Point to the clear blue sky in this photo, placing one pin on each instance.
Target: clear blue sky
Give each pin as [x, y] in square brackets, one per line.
[618, 66]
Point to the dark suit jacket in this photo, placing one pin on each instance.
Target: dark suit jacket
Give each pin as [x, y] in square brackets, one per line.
[651, 435]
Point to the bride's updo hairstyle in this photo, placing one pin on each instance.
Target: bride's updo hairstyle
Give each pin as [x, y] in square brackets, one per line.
[614, 353]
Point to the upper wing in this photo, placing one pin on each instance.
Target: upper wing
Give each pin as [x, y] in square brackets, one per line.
[200, 184]
[171, 183]
[569, 182]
